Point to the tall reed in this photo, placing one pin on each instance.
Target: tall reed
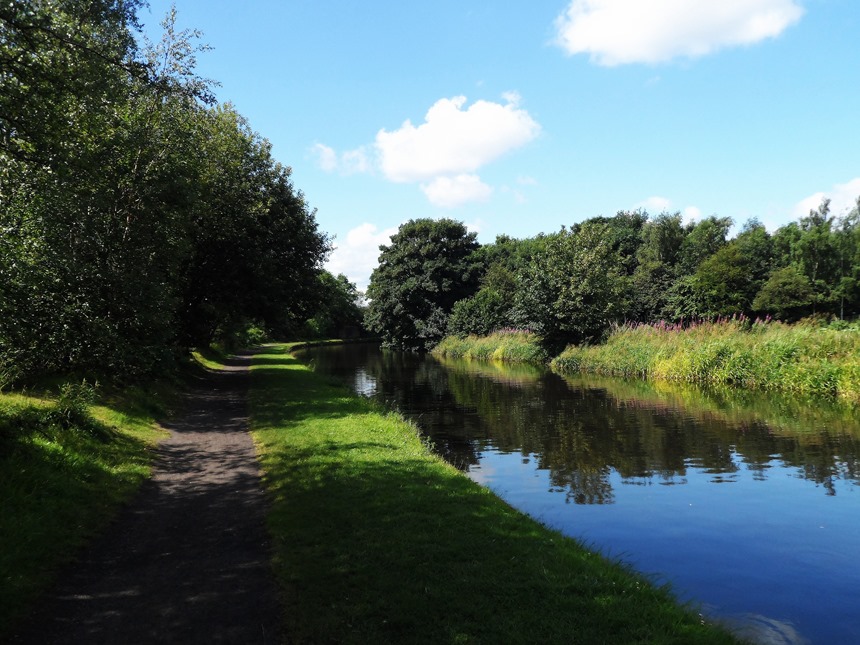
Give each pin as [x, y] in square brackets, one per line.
[509, 345]
[801, 359]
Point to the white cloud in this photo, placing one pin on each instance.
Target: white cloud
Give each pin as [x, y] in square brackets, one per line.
[326, 157]
[347, 163]
[525, 180]
[615, 32]
[655, 204]
[448, 192]
[843, 197]
[354, 161]
[358, 255]
[692, 214]
[453, 140]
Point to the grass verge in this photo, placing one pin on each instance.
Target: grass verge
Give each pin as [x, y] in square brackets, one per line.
[67, 462]
[378, 540]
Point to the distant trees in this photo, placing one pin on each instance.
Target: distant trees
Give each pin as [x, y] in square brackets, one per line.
[137, 217]
[338, 312]
[571, 285]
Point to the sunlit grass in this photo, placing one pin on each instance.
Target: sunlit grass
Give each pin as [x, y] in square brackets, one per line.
[379, 541]
[799, 359]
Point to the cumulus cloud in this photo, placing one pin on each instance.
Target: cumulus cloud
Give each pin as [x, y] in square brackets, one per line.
[448, 192]
[443, 153]
[358, 255]
[616, 32]
[843, 197]
[453, 140]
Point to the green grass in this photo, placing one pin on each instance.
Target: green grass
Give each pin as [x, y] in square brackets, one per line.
[379, 541]
[507, 346]
[64, 471]
[803, 360]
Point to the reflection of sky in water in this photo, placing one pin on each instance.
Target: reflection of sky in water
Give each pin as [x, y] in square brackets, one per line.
[779, 549]
[363, 383]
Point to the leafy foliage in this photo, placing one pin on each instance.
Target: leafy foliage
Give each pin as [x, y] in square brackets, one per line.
[574, 288]
[339, 313]
[136, 219]
[428, 267]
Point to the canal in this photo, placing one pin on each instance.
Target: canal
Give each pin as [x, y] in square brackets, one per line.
[748, 506]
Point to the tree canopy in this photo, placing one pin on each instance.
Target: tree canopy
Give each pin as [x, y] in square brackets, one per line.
[572, 285]
[428, 267]
[138, 217]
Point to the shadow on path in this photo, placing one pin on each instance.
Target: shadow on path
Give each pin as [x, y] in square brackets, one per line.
[188, 561]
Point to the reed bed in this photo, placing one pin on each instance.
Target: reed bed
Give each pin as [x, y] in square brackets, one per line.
[806, 360]
[508, 345]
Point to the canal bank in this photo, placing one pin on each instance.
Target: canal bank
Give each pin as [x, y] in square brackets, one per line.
[744, 502]
[379, 540]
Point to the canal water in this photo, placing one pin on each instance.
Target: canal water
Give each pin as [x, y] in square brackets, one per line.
[749, 506]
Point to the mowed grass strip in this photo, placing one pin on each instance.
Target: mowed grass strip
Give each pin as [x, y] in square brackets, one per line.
[64, 472]
[379, 541]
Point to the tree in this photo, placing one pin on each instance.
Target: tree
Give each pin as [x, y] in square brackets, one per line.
[338, 310]
[574, 289]
[787, 294]
[656, 271]
[136, 220]
[492, 307]
[255, 251]
[701, 242]
[817, 254]
[848, 246]
[428, 267]
[723, 284]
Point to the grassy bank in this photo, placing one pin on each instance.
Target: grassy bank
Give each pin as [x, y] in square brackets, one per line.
[67, 461]
[798, 359]
[508, 346]
[377, 540]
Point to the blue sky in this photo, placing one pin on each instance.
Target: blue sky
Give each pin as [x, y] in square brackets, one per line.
[520, 117]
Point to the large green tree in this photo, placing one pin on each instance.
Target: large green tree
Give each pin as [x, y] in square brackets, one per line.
[575, 287]
[428, 267]
[136, 219]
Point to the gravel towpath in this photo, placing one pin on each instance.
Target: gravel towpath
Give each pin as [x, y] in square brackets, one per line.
[188, 561]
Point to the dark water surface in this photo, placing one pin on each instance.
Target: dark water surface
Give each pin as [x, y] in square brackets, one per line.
[748, 505]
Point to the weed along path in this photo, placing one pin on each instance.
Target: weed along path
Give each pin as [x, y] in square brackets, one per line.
[189, 560]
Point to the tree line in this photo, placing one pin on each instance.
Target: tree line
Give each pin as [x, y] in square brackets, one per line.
[138, 217]
[434, 279]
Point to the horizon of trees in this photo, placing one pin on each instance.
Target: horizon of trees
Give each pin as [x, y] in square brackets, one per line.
[434, 279]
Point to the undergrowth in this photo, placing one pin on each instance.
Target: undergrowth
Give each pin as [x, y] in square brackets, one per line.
[806, 360]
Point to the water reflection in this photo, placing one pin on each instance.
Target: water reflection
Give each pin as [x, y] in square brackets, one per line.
[582, 429]
[748, 503]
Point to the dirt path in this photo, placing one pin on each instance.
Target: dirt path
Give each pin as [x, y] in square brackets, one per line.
[188, 560]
